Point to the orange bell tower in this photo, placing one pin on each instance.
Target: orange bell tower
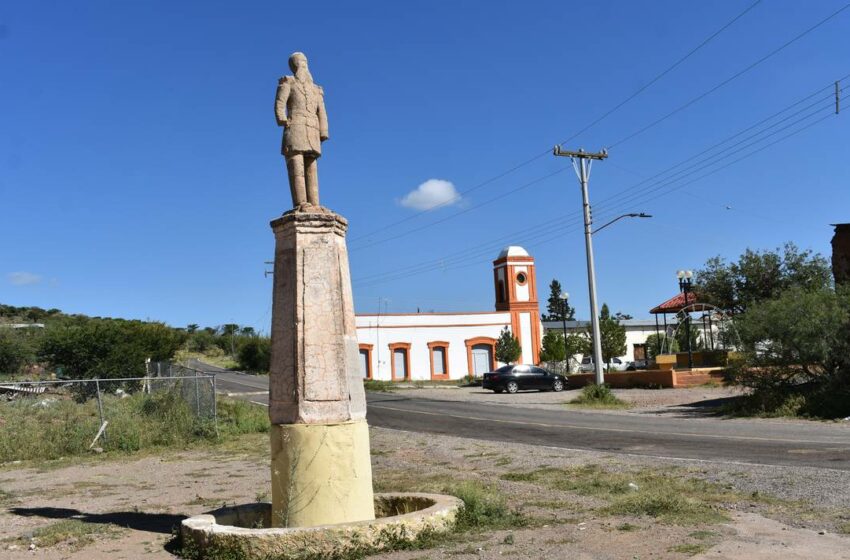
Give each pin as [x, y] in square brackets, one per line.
[516, 292]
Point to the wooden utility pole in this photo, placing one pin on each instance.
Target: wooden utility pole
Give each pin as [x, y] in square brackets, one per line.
[581, 163]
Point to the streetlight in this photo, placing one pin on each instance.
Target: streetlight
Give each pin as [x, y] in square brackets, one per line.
[564, 297]
[632, 215]
[686, 279]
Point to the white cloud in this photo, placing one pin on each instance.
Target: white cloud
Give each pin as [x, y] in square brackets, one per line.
[23, 278]
[430, 194]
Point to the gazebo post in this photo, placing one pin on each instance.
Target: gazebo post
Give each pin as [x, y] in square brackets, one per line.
[657, 336]
[710, 332]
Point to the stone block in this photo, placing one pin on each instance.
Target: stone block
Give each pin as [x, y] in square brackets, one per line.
[315, 371]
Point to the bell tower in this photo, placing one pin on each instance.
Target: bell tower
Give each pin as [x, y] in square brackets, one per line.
[515, 283]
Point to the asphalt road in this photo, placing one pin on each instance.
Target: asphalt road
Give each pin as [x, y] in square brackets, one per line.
[765, 442]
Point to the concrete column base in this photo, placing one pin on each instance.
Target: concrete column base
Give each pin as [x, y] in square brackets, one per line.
[321, 474]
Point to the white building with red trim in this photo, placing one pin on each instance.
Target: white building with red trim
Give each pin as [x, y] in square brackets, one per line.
[437, 346]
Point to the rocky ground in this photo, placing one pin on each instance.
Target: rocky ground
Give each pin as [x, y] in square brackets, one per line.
[576, 504]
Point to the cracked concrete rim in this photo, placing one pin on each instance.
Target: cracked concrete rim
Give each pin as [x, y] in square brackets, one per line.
[232, 527]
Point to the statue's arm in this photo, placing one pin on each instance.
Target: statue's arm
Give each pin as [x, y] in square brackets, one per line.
[280, 100]
[323, 116]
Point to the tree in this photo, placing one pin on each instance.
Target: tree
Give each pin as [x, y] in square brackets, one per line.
[612, 335]
[192, 328]
[201, 341]
[620, 316]
[798, 345]
[13, 353]
[760, 276]
[507, 347]
[228, 335]
[682, 337]
[255, 354]
[108, 348]
[554, 349]
[660, 344]
[558, 309]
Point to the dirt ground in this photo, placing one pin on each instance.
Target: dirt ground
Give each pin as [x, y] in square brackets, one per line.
[145, 497]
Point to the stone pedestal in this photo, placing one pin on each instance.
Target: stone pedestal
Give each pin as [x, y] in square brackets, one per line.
[321, 471]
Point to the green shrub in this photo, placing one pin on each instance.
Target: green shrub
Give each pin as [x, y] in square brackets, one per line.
[254, 354]
[598, 396]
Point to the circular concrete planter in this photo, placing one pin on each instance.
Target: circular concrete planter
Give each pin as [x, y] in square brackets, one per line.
[246, 528]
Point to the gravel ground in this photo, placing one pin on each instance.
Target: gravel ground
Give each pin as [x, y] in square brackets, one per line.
[147, 495]
[808, 501]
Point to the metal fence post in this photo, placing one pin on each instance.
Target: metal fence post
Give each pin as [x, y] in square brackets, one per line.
[100, 407]
[215, 403]
[197, 397]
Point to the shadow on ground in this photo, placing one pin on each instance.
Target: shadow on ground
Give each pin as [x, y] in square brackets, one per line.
[706, 408]
[152, 522]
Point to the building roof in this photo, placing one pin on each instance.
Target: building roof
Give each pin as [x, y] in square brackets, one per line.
[677, 303]
[628, 323]
[513, 251]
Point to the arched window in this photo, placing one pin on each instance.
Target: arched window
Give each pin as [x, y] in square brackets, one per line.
[439, 352]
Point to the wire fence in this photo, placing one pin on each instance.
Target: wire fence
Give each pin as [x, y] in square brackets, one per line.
[193, 390]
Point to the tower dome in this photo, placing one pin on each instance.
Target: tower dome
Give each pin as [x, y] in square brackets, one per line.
[513, 251]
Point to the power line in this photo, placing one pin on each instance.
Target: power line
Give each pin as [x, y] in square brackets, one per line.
[467, 253]
[707, 162]
[557, 233]
[729, 79]
[585, 129]
[665, 72]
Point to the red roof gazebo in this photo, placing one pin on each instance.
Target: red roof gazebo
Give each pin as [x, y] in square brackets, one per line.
[683, 300]
[679, 302]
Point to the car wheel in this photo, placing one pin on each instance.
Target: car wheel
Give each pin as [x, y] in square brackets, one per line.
[558, 386]
[497, 390]
[511, 387]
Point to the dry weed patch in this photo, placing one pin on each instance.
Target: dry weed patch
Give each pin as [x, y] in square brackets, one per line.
[74, 533]
[666, 497]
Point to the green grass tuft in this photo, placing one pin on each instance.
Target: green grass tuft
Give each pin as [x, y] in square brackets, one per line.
[484, 507]
[598, 396]
[77, 534]
[377, 386]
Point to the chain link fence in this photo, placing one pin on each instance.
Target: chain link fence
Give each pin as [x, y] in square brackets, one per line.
[171, 399]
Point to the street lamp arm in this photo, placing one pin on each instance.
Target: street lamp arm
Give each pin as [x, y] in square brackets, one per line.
[632, 215]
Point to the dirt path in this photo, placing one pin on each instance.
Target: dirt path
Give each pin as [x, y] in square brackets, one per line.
[141, 499]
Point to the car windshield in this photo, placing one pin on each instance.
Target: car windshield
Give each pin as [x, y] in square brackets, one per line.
[504, 369]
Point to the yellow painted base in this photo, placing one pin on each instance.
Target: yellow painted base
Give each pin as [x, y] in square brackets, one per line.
[321, 474]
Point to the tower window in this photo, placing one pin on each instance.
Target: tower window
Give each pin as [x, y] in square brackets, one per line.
[521, 278]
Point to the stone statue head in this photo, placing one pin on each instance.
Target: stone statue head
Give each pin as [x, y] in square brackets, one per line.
[295, 60]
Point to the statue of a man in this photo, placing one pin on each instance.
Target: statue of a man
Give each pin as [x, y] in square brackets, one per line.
[300, 108]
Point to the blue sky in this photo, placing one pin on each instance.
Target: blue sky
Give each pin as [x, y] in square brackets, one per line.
[140, 163]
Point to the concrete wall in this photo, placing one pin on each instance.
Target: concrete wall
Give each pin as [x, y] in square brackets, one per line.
[421, 328]
[660, 378]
